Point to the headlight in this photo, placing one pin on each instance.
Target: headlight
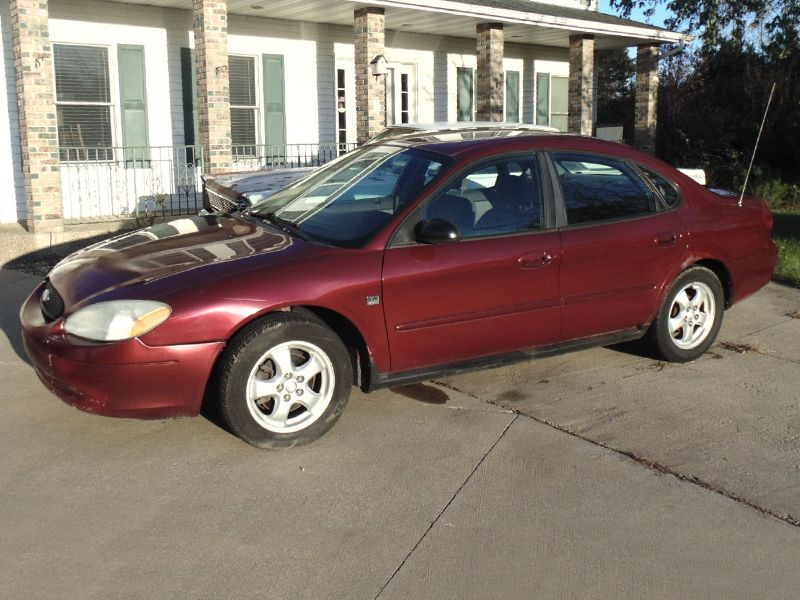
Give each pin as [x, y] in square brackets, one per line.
[117, 320]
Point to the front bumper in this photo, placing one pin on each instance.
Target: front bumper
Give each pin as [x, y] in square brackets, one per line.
[123, 379]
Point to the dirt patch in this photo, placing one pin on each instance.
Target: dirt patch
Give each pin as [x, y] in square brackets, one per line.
[793, 315]
[511, 396]
[738, 348]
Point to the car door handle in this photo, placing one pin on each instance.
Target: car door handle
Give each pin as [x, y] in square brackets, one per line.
[666, 238]
[533, 261]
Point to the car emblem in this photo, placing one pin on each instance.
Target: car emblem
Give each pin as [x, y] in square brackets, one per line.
[373, 300]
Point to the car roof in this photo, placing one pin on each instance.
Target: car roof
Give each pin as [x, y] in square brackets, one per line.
[464, 143]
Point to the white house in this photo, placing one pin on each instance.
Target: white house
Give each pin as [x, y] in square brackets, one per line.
[109, 109]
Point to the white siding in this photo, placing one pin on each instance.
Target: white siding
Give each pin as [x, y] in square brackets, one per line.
[12, 186]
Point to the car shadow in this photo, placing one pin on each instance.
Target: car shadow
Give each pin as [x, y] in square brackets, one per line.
[638, 348]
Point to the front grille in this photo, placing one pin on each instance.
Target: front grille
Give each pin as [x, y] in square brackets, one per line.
[52, 303]
[220, 203]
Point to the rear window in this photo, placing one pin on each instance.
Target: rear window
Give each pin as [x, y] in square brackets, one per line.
[666, 190]
[601, 188]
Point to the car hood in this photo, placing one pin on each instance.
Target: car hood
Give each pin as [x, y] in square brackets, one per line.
[262, 184]
[167, 249]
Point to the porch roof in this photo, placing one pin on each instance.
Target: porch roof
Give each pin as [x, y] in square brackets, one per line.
[525, 21]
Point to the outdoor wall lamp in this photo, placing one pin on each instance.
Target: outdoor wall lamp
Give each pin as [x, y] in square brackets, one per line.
[378, 65]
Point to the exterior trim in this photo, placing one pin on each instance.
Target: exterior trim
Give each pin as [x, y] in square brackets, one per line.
[511, 16]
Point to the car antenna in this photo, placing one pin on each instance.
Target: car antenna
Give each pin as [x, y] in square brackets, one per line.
[758, 139]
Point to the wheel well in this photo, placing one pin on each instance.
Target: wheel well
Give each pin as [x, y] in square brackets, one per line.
[350, 336]
[721, 271]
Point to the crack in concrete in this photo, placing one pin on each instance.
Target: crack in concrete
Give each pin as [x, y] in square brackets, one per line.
[449, 502]
[755, 349]
[646, 462]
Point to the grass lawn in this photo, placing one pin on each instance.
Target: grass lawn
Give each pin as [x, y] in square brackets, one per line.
[786, 234]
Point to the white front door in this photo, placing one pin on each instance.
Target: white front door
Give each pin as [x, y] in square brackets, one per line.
[345, 105]
[401, 94]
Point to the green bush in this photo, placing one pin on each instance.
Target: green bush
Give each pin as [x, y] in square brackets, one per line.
[778, 194]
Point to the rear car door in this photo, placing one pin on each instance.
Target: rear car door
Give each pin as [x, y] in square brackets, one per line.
[620, 240]
[495, 290]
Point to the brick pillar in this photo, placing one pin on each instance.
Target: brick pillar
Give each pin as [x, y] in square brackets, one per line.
[581, 84]
[369, 26]
[38, 125]
[213, 91]
[491, 81]
[644, 136]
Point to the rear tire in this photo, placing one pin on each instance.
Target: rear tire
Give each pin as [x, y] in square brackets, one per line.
[284, 381]
[690, 317]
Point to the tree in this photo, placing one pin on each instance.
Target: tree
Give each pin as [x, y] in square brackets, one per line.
[712, 97]
[718, 20]
[615, 89]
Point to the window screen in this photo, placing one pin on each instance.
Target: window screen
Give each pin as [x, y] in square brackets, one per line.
[83, 102]
[242, 76]
[598, 188]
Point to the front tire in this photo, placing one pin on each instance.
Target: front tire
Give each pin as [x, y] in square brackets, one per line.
[284, 381]
[690, 317]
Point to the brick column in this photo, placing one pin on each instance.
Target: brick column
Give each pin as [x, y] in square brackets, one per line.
[369, 26]
[38, 125]
[491, 80]
[581, 84]
[213, 91]
[644, 136]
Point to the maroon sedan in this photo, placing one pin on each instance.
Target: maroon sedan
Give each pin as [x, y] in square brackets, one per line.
[397, 262]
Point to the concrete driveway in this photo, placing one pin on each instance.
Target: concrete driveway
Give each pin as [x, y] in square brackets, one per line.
[600, 474]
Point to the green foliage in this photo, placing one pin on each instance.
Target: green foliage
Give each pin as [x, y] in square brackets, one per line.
[711, 104]
[778, 194]
[786, 234]
[615, 89]
[763, 21]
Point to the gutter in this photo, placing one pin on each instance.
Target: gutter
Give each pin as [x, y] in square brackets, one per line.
[524, 18]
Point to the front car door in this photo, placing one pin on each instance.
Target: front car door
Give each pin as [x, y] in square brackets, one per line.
[495, 290]
[620, 240]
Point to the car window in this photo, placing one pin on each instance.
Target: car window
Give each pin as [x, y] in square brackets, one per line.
[600, 188]
[668, 192]
[499, 198]
[347, 205]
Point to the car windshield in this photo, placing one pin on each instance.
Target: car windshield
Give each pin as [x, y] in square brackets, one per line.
[346, 203]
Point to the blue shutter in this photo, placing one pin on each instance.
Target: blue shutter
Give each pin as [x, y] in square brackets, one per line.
[274, 104]
[512, 96]
[133, 104]
[543, 99]
[191, 119]
[464, 94]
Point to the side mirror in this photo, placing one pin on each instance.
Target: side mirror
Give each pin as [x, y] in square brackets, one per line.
[436, 231]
